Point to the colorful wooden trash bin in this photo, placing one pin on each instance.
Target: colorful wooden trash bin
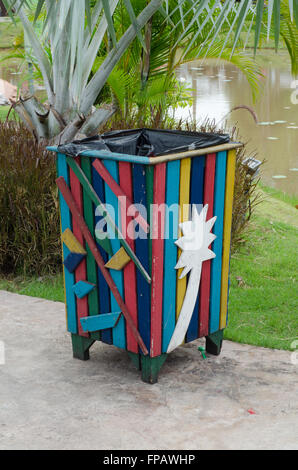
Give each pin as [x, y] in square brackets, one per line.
[146, 230]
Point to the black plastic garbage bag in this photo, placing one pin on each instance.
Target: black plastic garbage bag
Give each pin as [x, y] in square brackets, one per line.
[145, 142]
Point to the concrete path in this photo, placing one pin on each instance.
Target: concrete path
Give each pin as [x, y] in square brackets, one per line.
[50, 401]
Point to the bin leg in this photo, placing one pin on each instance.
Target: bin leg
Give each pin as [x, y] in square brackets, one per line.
[149, 366]
[81, 346]
[136, 359]
[214, 343]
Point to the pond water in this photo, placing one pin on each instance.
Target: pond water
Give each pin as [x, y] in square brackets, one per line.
[219, 86]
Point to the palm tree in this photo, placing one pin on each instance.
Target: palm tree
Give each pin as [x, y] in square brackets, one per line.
[147, 90]
[74, 31]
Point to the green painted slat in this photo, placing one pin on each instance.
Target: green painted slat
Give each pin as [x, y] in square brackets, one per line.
[91, 264]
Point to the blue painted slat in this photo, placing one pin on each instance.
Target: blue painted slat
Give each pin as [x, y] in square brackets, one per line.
[216, 264]
[196, 197]
[103, 289]
[99, 322]
[170, 254]
[66, 223]
[102, 154]
[142, 252]
[119, 335]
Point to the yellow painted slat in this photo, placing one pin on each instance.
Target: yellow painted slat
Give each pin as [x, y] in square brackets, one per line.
[119, 260]
[183, 217]
[72, 243]
[229, 195]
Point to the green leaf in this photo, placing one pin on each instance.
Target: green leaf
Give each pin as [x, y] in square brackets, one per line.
[134, 22]
[39, 6]
[88, 13]
[276, 22]
[259, 17]
[241, 19]
[295, 7]
[111, 29]
[270, 12]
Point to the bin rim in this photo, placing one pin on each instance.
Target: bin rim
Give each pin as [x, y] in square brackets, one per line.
[106, 155]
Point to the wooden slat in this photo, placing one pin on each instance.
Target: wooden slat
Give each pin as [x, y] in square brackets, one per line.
[142, 252]
[103, 288]
[72, 243]
[62, 257]
[159, 193]
[118, 191]
[159, 159]
[119, 260]
[82, 288]
[129, 273]
[229, 195]
[81, 270]
[184, 191]
[119, 333]
[72, 261]
[196, 197]
[149, 201]
[64, 189]
[66, 222]
[99, 204]
[89, 210]
[100, 322]
[194, 153]
[170, 253]
[216, 263]
[204, 292]
[118, 157]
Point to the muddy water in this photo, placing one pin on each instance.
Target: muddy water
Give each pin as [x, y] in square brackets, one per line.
[218, 87]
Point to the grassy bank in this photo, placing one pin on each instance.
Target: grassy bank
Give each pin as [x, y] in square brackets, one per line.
[263, 295]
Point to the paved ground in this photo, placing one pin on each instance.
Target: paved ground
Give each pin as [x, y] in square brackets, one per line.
[50, 401]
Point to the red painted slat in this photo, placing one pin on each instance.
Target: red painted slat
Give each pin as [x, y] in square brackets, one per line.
[158, 224]
[129, 272]
[119, 191]
[81, 271]
[206, 268]
[78, 217]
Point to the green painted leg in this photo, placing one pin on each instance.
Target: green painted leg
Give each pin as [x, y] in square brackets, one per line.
[150, 366]
[81, 346]
[214, 343]
[136, 359]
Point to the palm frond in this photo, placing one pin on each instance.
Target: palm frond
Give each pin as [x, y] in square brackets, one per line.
[289, 33]
[239, 13]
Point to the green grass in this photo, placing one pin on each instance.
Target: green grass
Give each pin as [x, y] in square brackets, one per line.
[263, 299]
[281, 195]
[47, 287]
